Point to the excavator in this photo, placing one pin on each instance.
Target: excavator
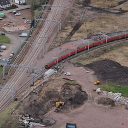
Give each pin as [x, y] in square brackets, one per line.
[97, 82]
[59, 105]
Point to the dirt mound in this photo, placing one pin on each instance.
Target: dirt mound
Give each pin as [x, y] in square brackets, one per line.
[73, 96]
[105, 101]
[110, 71]
[67, 91]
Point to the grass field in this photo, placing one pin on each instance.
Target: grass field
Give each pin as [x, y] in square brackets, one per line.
[1, 69]
[4, 39]
[6, 115]
[115, 89]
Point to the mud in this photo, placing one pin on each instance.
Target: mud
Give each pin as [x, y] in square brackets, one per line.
[110, 71]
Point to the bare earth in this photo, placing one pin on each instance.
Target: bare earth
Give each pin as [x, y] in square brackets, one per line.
[90, 115]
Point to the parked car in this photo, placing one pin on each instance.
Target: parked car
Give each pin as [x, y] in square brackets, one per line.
[23, 34]
[3, 47]
[18, 14]
[14, 12]
[2, 33]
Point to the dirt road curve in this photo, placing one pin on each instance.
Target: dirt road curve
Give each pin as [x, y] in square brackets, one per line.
[16, 84]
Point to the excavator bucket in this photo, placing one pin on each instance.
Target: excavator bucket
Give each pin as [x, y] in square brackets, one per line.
[97, 82]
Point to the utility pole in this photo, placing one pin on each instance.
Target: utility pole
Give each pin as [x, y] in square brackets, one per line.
[32, 13]
[4, 64]
[56, 58]
[33, 77]
[4, 72]
[106, 36]
[13, 91]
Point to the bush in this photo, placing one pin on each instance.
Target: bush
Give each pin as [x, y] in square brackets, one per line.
[4, 39]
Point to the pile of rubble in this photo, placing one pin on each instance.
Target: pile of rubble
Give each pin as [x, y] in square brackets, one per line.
[116, 97]
[69, 92]
[29, 122]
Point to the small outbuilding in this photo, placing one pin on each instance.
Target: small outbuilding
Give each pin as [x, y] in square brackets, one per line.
[23, 34]
[2, 15]
[5, 4]
[19, 1]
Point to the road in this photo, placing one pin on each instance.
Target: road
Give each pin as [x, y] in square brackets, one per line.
[20, 80]
[20, 7]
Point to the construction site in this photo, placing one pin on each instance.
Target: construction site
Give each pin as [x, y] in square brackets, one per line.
[71, 70]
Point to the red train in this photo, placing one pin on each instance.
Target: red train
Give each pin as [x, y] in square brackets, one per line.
[91, 43]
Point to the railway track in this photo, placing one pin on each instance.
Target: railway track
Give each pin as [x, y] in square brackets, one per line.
[44, 38]
[15, 83]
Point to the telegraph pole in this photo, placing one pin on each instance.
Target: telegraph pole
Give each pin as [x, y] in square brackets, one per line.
[4, 72]
[33, 77]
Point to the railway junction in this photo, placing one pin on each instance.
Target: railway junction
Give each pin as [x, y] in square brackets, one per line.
[68, 94]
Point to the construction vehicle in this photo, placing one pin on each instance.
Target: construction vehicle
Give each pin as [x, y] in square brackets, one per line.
[59, 105]
[97, 82]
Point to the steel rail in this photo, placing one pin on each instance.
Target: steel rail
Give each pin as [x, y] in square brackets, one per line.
[30, 61]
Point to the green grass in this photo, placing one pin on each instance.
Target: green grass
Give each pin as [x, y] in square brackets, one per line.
[6, 115]
[115, 89]
[1, 70]
[4, 39]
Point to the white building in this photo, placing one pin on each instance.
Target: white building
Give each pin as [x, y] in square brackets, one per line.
[5, 3]
[19, 1]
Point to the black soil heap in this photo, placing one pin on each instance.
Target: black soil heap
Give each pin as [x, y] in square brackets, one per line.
[71, 94]
[110, 71]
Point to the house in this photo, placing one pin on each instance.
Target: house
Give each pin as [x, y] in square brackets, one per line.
[19, 1]
[5, 4]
